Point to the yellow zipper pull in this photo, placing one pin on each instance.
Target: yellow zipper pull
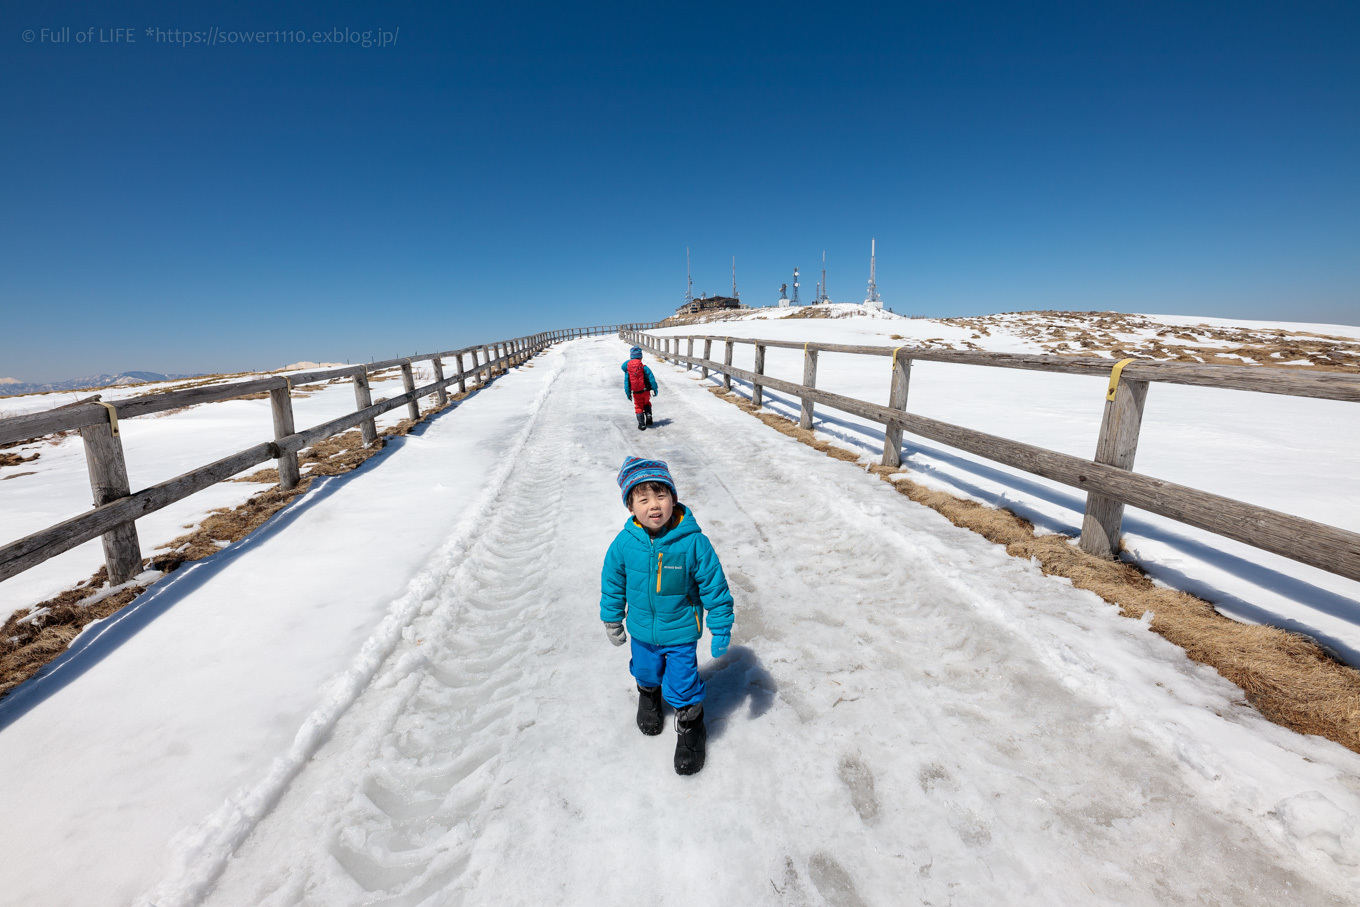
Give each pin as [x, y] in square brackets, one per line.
[658, 571]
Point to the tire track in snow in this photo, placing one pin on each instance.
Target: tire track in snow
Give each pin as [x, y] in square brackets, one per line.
[202, 852]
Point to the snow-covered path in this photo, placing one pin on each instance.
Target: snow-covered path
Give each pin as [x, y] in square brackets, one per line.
[907, 715]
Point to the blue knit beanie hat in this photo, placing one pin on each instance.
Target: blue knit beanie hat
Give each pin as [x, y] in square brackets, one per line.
[636, 470]
[635, 353]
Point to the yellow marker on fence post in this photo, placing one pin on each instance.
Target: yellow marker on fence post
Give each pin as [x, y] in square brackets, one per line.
[1114, 377]
[113, 417]
[1117, 446]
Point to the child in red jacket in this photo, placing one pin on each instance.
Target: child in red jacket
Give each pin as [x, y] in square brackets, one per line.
[639, 384]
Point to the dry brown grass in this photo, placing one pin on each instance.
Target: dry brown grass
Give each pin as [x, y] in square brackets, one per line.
[704, 317]
[1286, 676]
[34, 636]
[1133, 336]
[14, 459]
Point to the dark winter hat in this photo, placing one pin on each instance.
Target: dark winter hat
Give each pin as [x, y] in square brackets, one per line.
[635, 353]
[636, 470]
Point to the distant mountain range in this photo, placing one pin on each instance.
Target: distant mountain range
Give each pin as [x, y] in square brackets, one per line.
[13, 387]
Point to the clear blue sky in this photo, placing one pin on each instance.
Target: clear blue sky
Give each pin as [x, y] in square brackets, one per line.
[510, 167]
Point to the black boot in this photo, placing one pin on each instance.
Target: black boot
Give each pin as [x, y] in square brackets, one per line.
[642, 421]
[649, 710]
[647, 411]
[691, 736]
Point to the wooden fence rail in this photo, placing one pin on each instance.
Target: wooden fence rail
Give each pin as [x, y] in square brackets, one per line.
[117, 508]
[1108, 480]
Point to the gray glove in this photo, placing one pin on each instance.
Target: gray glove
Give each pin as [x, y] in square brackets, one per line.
[615, 633]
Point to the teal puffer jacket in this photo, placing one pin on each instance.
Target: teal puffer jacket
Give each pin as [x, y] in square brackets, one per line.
[664, 585]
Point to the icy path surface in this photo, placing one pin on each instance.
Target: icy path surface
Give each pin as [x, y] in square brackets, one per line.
[907, 715]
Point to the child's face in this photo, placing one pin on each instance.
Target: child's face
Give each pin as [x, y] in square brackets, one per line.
[652, 505]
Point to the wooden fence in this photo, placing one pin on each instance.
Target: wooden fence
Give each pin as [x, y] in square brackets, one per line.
[117, 508]
[1108, 480]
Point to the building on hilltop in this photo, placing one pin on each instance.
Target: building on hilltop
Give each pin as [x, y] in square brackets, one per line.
[708, 304]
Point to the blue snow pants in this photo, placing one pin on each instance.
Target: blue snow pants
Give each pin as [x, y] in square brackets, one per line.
[673, 668]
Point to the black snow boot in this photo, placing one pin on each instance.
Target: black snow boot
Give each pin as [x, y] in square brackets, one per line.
[642, 421]
[691, 737]
[647, 411]
[649, 710]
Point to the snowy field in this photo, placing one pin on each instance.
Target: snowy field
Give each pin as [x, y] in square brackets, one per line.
[1296, 455]
[56, 487]
[400, 693]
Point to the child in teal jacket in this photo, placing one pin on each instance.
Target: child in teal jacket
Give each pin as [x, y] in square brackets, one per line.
[661, 575]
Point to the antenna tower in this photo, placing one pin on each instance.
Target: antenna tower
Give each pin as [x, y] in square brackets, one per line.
[795, 288]
[735, 294]
[821, 290]
[689, 279]
[871, 299]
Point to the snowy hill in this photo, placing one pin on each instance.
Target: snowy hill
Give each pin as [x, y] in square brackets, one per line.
[13, 387]
[1092, 334]
[399, 691]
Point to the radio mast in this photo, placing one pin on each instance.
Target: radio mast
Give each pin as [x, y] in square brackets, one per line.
[795, 288]
[689, 290]
[821, 289]
[735, 294]
[871, 300]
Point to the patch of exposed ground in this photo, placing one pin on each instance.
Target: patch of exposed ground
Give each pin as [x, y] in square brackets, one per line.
[1139, 337]
[704, 317]
[14, 459]
[1286, 676]
[32, 637]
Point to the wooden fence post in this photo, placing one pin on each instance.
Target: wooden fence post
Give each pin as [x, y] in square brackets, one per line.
[363, 399]
[441, 395]
[727, 361]
[809, 380]
[108, 483]
[689, 351]
[483, 370]
[1117, 446]
[708, 354]
[897, 399]
[758, 389]
[462, 373]
[408, 379]
[281, 403]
